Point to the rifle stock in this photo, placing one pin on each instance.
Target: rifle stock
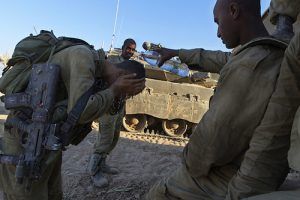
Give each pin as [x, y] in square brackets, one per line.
[39, 97]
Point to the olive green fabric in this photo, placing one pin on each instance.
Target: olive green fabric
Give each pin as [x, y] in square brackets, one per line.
[281, 195]
[204, 60]
[245, 86]
[77, 76]
[293, 61]
[181, 185]
[284, 7]
[290, 73]
[109, 132]
[294, 152]
[247, 80]
[109, 125]
[265, 164]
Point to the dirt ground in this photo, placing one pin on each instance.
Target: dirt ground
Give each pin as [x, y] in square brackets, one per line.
[142, 162]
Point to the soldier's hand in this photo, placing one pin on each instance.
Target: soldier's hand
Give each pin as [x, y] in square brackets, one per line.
[166, 54]
[128, 85]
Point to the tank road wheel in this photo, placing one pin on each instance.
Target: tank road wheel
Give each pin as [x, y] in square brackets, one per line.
[135, 123]
[175, 127]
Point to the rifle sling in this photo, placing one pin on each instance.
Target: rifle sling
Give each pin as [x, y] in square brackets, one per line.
[75, 114]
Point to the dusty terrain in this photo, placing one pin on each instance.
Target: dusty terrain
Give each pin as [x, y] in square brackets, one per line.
[142, 161]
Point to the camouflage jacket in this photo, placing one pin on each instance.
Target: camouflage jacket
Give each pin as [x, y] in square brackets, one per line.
[78, 71]
[247, 80]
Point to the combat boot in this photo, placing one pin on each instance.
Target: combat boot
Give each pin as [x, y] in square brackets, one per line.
[108, 169]
[284, 28]
[99, 180]
[94, 164]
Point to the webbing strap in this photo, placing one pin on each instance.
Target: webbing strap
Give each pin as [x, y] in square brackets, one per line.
[75, 114]
[8, 159]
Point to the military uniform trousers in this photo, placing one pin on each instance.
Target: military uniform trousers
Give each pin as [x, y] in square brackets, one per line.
[109, 132]
[48, 187]
[181, 185]
[280, 195]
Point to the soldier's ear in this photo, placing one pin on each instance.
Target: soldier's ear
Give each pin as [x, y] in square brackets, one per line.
[234, 10]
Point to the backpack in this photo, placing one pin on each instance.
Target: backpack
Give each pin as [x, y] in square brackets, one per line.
[29, 51]
[39, 49]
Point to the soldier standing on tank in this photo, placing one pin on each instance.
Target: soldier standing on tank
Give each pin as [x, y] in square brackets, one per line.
[248, 78]
[109, 129]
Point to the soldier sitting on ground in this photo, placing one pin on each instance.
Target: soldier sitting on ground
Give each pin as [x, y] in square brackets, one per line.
[78, 72]
[109, 128]
[285, 12]
[247, 81]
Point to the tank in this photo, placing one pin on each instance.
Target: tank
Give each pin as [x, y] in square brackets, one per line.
[169, 104]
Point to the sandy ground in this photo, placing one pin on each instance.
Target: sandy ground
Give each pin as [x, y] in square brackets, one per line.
[142, 162]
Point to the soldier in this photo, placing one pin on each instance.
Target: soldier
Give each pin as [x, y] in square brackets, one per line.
[109, 129]
[247, 80]
[128, 49]
[290, 76]
[291, 65]
[78, 72]
[271, 140]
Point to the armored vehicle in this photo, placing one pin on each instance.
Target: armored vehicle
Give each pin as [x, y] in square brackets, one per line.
[170, 103]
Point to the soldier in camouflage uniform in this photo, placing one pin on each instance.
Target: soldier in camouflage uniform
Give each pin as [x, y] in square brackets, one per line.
[291, 64]
[109, 129]
[247, 81]
[78, 72]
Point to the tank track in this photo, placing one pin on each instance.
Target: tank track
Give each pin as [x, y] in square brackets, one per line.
[151, 135]
[156, 138]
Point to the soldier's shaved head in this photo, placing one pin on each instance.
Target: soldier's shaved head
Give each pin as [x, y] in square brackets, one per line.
[238, 21]
[251, 7]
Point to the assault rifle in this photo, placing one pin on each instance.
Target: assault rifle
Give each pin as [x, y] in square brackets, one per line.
[37, 103]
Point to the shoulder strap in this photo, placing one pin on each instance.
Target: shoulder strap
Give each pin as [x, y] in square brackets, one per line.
[75, 114]
[76, 111]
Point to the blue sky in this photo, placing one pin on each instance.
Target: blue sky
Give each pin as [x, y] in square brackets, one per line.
[173, 23]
